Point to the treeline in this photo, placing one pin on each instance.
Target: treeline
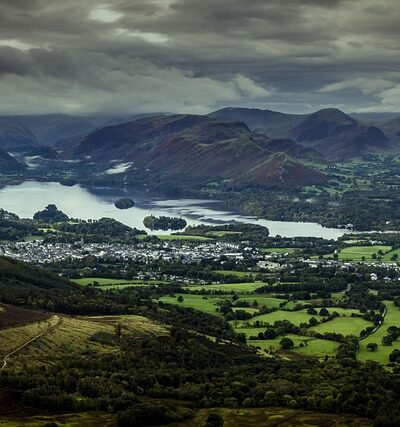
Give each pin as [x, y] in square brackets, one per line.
[164, 223]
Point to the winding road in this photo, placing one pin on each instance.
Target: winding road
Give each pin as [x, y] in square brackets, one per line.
[26, 343]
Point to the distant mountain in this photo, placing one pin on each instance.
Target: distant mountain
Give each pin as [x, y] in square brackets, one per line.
[9, 163]
[338, 136]
[272, 123]
[373, 118]
[13, 136]
[391, 127]
[48, 129]
[195, 146]
[332, 133]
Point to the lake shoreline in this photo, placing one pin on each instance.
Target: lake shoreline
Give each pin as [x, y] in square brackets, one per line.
[87, 202]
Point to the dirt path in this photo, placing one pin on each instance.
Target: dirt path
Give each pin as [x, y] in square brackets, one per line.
[25, 344]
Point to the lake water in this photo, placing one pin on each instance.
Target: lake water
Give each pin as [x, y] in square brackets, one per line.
[94, 203]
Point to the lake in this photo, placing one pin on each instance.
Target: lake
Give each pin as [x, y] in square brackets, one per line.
[95, 203]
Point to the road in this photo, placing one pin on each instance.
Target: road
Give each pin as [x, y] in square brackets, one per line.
[26, 343]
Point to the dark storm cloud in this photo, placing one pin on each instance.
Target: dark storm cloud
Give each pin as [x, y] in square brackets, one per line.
[194, 56]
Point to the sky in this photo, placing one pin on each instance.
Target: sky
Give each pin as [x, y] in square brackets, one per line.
[196, 56]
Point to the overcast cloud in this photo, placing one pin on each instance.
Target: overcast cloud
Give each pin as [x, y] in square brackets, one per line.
[84, 56]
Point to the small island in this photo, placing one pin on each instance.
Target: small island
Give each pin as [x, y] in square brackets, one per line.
[164, 223]
[50, 214]
[124, 203]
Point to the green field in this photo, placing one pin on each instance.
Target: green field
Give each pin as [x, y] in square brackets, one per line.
[205, 303]
[228, 287]
[311, 346]
[106, 283]
[388, 256]
[356, 253]
[263, 300]
[279, 250]
[392, 318]
[235, 273]
[343, 325]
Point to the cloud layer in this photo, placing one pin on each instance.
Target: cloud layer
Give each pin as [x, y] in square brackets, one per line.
[195, 56]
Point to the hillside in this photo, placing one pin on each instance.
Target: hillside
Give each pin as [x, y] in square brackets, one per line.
[9, 164]
[272, 123]
[14, 135]
[195, 146]
[391, 127]
[49, 129]
[332, 133]
[338, 136]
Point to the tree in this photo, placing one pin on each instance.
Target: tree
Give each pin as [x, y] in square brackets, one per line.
[214, 420]
[394, 356]
[286, 343]
[324, 312]
[372, 346]
[180, 298]
[387, 340]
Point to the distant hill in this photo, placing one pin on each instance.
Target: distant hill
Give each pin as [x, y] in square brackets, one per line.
[9, 163]
[272, 123]
[195, 146]
[338, 136]
[48, 129]
[332, 133]
[14, 135]
[391, 127]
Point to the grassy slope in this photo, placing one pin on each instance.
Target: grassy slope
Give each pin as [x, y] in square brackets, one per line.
[73, 336]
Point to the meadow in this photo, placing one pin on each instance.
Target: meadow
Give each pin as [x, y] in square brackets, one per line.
[228, 287]
[303, 345]
[392, 318]
[106, 283]
[357, 253]
[235, 273]
[343, 325]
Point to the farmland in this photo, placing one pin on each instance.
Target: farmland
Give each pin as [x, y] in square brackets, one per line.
[343, 325]
[106, 283]
[303, 345]
[206, 304]
[392, 318]
[229, 287]
[235, 273]
[358, 253]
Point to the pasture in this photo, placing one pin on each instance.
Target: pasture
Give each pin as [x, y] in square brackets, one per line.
[306, 346]
[205, 303]
[228, 287]
[235, 273]
[343, 325]
[357, 253]
[392, 318]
